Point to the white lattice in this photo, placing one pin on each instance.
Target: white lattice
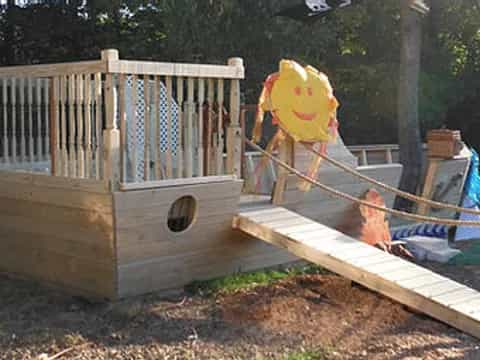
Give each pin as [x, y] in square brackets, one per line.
[136, 139]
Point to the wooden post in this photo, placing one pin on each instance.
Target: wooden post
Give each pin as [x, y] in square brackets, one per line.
[427, 191]
[133, 128]
[123, 127]
[234, 132]
[286, 155]
[111, 134]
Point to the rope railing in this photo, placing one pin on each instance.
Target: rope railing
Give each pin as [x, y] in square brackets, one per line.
[339, 194]
[403, 194]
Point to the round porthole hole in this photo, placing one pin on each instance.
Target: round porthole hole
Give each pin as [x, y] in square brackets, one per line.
[182, 214]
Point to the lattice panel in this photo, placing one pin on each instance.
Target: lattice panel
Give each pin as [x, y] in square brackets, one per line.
[136, 137]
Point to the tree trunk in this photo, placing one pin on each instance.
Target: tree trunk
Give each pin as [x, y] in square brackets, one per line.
[10, 58]
[408, 124]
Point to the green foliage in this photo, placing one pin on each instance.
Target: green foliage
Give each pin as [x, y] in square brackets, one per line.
[240, 281]
[357, 47]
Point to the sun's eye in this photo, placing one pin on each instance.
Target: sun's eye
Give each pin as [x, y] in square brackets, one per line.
[298, 91]
[310, 91]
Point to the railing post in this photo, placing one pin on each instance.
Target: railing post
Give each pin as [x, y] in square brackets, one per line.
[111, 133]
[234, 131]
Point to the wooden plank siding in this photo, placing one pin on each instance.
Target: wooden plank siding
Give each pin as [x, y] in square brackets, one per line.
[320, 206]
[58, 231]
[151, 257]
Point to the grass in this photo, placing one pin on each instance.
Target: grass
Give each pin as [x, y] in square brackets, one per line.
[470, 256]
[310, 355]
[241, 281]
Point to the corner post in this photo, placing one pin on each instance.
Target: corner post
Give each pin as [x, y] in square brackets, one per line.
[234, 131]
[111, 133]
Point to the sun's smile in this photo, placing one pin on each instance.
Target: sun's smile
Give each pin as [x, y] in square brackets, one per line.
[305, 116]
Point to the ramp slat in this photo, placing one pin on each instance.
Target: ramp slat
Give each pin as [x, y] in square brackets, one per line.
[405, 282]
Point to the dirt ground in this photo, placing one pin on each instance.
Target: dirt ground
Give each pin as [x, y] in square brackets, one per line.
[308, 312]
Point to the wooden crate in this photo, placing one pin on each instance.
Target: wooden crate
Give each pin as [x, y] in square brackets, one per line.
[444, 143]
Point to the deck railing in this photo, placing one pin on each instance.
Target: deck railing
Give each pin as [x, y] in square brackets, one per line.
[122, 121]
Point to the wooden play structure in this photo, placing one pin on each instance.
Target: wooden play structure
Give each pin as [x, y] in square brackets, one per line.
[120, 178]
[410, 284]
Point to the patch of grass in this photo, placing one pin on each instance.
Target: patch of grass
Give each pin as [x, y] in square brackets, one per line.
[240, 281]
[469, 256]
[323, 354]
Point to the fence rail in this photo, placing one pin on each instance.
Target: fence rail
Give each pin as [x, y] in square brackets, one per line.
[122, 121]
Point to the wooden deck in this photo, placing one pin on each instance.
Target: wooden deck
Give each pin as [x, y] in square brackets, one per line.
[407, 283]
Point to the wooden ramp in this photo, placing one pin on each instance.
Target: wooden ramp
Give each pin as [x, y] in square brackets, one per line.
[407, 283]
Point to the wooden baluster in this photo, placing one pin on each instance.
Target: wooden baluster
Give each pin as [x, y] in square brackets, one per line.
[189, 129]
[169, 162]
[156, 128]
[234, 134]
[123, 127]
[180, 142]
[63, 126]
[88, 126]
[23, 144]
[79, 99]
[72, 159]
[147, 123]
[388, 156]
[250, 176]
[98, 125]
[13, 95]
[30, 120]
[111, 134]
[55, 127]
[5, 122]
[133, 124]
[46, 97]
[220, 134]
[210, 146]
[38, 109]
[364, 158]
[201, 100]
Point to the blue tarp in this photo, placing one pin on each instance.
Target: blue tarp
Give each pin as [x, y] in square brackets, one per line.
[471, 200]
[472, 184]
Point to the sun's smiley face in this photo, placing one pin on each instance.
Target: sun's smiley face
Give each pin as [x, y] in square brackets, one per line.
[303, 102]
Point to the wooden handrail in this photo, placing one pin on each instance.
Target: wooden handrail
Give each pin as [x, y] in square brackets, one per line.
[175, 69]
[113, 65]
[50, 70]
